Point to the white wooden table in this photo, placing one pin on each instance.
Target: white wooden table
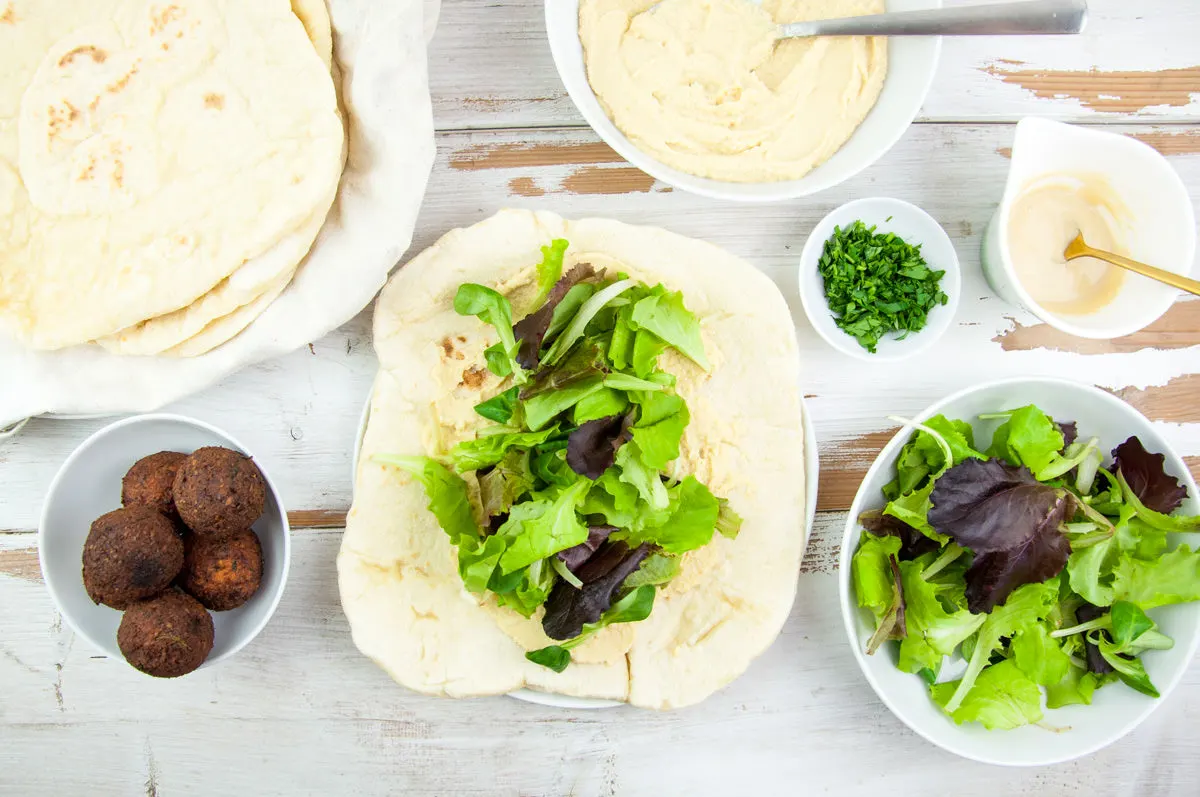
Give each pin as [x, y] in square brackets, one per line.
[301, 711]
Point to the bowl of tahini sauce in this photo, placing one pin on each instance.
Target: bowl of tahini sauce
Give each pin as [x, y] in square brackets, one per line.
[1122, 195]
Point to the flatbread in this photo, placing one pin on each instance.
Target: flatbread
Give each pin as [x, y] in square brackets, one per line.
[149, 151]
[230, 306]
[397, 570]
[225, 328]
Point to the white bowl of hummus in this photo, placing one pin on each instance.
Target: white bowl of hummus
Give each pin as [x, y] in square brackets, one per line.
[697, 93]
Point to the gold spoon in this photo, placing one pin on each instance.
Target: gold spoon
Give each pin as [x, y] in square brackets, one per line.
[1079, 248]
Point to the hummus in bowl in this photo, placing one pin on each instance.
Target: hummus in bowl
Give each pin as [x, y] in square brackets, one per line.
[698, 94]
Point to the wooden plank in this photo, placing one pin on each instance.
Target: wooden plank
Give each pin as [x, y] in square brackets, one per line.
[1108, 73]
[299, 710]
[299, 413]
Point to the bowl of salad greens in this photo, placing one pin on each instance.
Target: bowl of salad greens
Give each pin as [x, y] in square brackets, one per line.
[879, 279]
[1019, 579]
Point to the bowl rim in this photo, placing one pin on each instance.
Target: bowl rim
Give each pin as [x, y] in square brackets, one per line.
[1013, 188]
[760, 192]
[842, 342]
[54, 588]
[848, 608]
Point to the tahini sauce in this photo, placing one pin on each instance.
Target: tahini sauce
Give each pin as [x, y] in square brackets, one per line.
[1047, 216]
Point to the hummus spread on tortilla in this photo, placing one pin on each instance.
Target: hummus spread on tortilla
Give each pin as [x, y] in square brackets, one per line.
[400, 574]
[704, 86]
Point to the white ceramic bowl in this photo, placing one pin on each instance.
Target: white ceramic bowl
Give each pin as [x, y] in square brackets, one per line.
[89, 485]
[811, 480]
[913, 225]
[912, 63]
[1116, 709]
[1159, 220]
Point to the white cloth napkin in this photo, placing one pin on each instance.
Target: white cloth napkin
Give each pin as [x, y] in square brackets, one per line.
[380, 46]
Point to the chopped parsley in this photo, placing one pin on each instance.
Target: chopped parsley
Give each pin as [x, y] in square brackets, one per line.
[877, 283]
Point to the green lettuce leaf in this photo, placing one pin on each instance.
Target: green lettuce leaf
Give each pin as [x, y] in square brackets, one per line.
[933, 632]
[492, 308]
[446, 491]
[1173, 578]
[485, 451]
[665, 315]
[545, 407]
[874, 586]
[690, 525]
[1157, 520]
[922, 456]
[477, 560]
[613, 499]
[1029, 437]
[526, 589]
[1039, 656]
[550, 270]
[729, 523]
[1003, 697]
[499, 408]
[635, 472]
[604, 403]
[542, 527]
[575, 330]
[659, 428]
[1026, 606]
[646, 348]
[657, 569]
[568, 308]
[1131, 671]
[1077, 687]
[502, 486]
[620, 345]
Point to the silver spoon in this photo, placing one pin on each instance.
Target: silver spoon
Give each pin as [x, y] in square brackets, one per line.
[1030, 17]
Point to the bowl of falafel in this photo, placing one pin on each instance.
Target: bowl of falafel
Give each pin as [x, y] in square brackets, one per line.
[163, 542]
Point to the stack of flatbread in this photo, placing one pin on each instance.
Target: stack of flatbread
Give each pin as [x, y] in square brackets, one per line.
[165, 166]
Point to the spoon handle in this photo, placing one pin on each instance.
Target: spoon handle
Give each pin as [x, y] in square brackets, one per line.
[1039, 16]
[1078, 248]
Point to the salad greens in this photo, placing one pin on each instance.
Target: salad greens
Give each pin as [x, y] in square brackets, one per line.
[877, 283]
[1029, 559]
[577, 511]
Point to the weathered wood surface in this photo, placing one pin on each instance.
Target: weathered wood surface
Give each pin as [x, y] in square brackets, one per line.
[301, 711]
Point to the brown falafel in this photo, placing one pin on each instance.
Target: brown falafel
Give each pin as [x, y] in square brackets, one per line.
[130, 554]
[166, 636]
[222, 571]
[218, 491]
[149, 482]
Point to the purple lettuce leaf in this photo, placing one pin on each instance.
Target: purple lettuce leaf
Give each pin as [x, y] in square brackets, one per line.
[593, 446]
[531, 330]
[568, 608]
[1009, 520]
[1147, 477]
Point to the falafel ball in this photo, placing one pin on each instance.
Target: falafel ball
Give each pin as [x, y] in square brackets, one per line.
[222, 571]
[149, 482]
[130, 554]
[166, 636]
[218, 491]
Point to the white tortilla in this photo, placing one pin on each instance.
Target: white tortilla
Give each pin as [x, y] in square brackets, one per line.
[397, 570]
[150, 151]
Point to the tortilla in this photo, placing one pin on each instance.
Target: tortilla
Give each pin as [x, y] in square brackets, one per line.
[397, 571]
[155, 150]
[236, 301]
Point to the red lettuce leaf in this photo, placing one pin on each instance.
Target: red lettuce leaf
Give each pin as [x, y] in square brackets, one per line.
[531, 330]
[568, 609]
[576, 556]
[1146, 476]
[1095, 661]
[1069, 430]
[1009, 520]
[593, 446]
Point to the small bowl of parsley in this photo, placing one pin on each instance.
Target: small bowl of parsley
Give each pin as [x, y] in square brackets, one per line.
[879, 279]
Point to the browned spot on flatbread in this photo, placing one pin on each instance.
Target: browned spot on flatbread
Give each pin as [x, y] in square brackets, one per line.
[9, 17]
[448, 350]
[843, 465]
[60, 117]
[1113, 92]
[214, 102]
[98, 55]
[21, 563]
[525, 156]
[1179, 328]
[317, 519]
[1176, 401]
[608, 180]
[525, 186]
[473, 377]
[161, 17]
[1186, 142]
